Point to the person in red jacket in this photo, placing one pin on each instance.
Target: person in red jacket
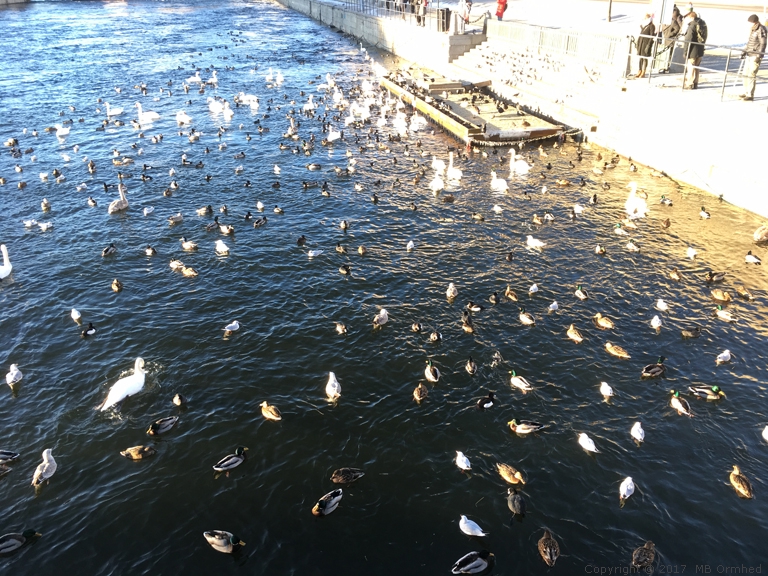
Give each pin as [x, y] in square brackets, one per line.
[501, 7]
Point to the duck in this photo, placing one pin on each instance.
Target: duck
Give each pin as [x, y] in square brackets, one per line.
[177, 265]
[481, 562]
[637, 432]
[231, 460]
[617, 351]
[420, 392]
[332, 388]
[466, 322]
[675, 275]
[138, 452]
[707, 392]
[223, 541]
[162, 425]
[487, 402]
[90, 331]
[549, 549]
[91, 202]
[259, 222]
[341, 328]
[205, 210]
[381, 318]
[328, 503]
[226, 229]
[451, 292]
[187, 244]
[470, 367]
[340, 249]
[175, 219]
[46, 469]
[741, 291]
[270, 412]
[600, 250]
[345, 270]
[526, 318]
[221, 248]
[712, 277]
[471, 528]
[13, 541]
[474, 307]
[510, 294]
[680, 404]
[116, 285]
[179, 400]
[509, 473]
[752, 259]
[346, 475]
[14, 375]
[587, 443]
[362, 250]
[644, 556]
[603, 322]
[740, 483]
[525, 426]
[655, 370]
[109, 251]
[580, 293]
[434, 336]
[233, 326]
[344, 225]
[519, 382]
[574, 334]
[189, 272]
[694, 332]
[431, 373]
[724, 357]
[724, 314]
[761, 234]
[703, 214]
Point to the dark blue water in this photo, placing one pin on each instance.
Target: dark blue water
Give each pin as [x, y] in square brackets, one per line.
[102, 514]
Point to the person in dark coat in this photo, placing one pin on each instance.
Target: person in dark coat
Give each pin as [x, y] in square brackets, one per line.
[670, 32]
[645, 43]
[753, 55]
[694, 51]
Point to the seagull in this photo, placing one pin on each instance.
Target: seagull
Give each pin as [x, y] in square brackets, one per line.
[637, 432]
[691, 252]
[470, 528]
[462, 461]
[532, 242]
[233, 326]
[587, 443]
[626, 489]
[14, 375]
[75, 314]
[656, 322]
[606, 390]
[553, 307]
[723, 357]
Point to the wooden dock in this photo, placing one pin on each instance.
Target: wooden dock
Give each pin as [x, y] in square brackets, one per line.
[466, 111]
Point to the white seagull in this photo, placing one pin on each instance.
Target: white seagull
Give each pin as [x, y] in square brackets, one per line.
[587, 443]
[45, 469]
[637, 432]
[626, 489]
[470, 528]
[462, 461]
[14, 375]
[332, 388]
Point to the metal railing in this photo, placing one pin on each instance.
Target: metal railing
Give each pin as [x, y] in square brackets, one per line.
[717, 61]
[434, 17]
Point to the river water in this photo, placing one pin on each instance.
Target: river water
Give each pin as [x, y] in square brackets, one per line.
[102, 514]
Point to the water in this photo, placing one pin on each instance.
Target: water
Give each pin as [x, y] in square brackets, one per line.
[106, 515]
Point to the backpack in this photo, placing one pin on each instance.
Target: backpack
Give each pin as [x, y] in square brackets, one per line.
[701, 32]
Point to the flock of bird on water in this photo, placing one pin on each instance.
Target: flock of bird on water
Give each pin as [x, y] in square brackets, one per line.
[362, 132]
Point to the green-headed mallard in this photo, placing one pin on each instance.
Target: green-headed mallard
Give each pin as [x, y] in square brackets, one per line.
[481, 562]
[655, 370]
[526, 318]
[346, 475]
[707, 392]
[431, 372]
[13, 541]
[680, 404]
[328, 503]
[162, 426]
[740, 483]
[714, 277]
[519, 382]
[231, 460]
[581, 294]
[724, 314]
[138, 452]
[223, 541]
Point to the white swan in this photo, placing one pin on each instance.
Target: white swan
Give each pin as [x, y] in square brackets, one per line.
[195, 79]
[45, 469]
[62, 132]
[332, 388]
[5, 269]
[436, 184]
[451, 172]
[269, 77]
[438, 165]
[120, 204]
[125, 387]
[146, 117]
[113, 111]
[518, 166]
[498, 184]
[183, 118]
[635, 206]
[279, 77]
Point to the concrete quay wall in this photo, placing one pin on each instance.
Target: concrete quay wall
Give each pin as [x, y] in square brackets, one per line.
[11, 2]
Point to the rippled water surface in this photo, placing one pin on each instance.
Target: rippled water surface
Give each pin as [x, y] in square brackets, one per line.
[102, 514]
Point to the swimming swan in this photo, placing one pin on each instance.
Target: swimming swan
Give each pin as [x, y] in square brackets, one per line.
[125, 387]
[5, 269]
[120, 204]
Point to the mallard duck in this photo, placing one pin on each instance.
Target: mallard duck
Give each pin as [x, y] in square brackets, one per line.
[743, 292]
[346, 475]
[536, 219]
[223, 541]
[707, 392]
[740, 483]
[109, 251]
[420, 392]
[345, 270]
[7, 456]
[680, 404]
[470, 366]
[45, 469]
[431, 372]
[694, 332]
[549, 549]
[509, 473]
[526, 318]
[176, 265]
[259, 222]
[574, 334]
[519, 382]
[474, 563]
[724, 314]
[643, 556]
[226, 229]
[205, 210]
[362, 250]
[13, 541]
[187, 245]
[655, 370]
[270, 412]
[720, 295]
[581, 294]
[714, 277]
[600, 250]
[341, 328]
[328, 503]
[162, 426]
[675, 275]
[175, 219]
[510, 294]
[466, 323]
[231, 460]
[617, 351]
[603, 322]
[487, 402]
[340, 249]
[138, 452]
[525, 426]
[117, 286]
[188, 271]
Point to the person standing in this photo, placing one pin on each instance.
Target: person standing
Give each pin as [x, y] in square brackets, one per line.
[670, 33]
[421, 12]
[695, 37]
[501, 7]
[753, 55]
[645, 43]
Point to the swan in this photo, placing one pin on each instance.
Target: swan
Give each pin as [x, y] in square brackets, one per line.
[221, 248]
[146, 117]
[451, 172]
[183, 118]
[518, 166]
[332, 388]
[120, 204]
[279, 77]
[498, 184]
[113, 111]
[227, 111]
[125, 387]
[635, 206]
[195, 79]
[62, 132]
[269, 77]
[5, 269]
